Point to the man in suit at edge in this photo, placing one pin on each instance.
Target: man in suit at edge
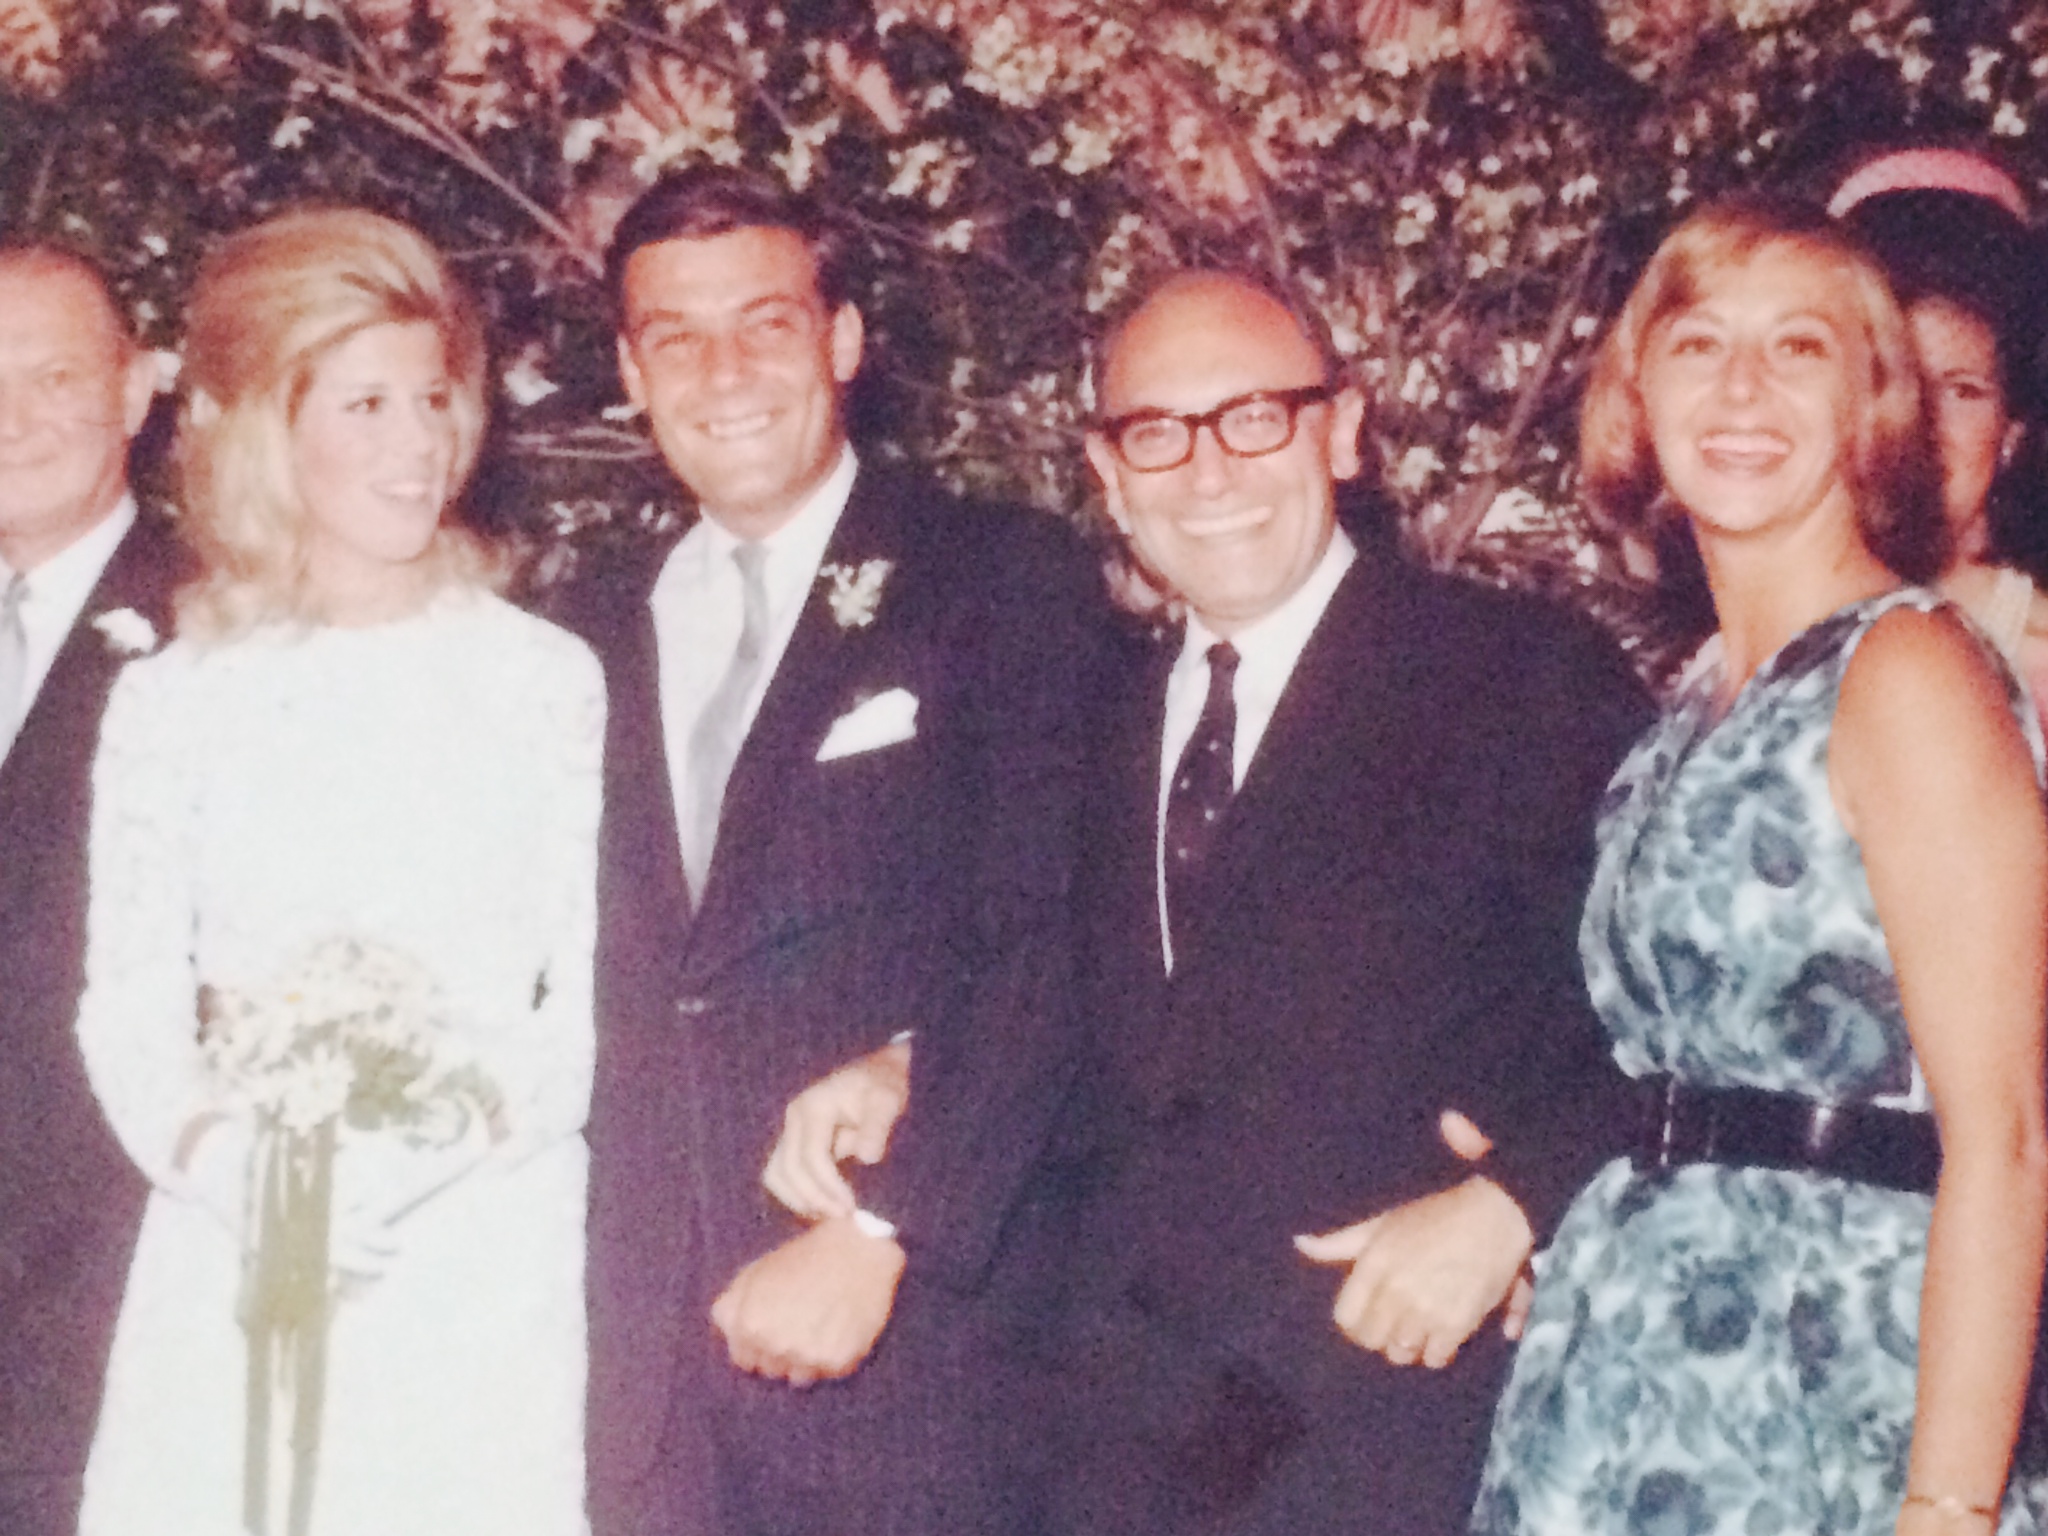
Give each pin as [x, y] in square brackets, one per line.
[84, 582]
[844, 771]
[1338, 859]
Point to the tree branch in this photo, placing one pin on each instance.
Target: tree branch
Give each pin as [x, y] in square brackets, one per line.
[396, 110]
[1462, 521]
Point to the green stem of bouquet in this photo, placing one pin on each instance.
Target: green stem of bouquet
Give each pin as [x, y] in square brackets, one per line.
[285, 1313]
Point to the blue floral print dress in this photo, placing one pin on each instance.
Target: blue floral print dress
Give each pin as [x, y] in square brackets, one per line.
[1722, 1351]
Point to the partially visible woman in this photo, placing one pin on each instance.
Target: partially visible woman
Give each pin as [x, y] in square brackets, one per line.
[338, 992]
[1949, 227]
[1817, 933]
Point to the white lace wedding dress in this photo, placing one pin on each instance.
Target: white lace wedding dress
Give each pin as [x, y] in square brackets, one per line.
[430, 785]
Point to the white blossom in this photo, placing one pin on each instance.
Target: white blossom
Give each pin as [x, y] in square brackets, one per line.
[525, 382]
[584, 135]
[1411, 472]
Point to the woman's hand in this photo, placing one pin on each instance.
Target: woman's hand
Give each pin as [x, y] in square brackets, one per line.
[381, 1179]
[211, 1161]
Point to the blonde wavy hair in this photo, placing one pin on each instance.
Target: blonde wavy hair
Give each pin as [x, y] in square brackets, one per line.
[270, 304]
[1891, 469]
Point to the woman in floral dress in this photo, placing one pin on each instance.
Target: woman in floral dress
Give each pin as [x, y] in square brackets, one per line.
[358, 774]
[1817, 934]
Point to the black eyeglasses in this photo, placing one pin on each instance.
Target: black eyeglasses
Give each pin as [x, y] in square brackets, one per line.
[1245, 425]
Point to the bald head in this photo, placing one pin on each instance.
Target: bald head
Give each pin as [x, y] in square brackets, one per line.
[82, 285]
[74, 389]
[1233, 530]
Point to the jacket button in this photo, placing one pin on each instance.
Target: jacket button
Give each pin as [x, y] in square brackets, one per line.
[691, 1007]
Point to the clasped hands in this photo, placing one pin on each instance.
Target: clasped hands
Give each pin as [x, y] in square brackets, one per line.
[1422, 1278]
[380, 1179]
[812, 1309]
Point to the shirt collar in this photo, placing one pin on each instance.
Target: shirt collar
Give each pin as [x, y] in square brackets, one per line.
[802, 539]
[1277, 638]
[794, 550]
[67, 578]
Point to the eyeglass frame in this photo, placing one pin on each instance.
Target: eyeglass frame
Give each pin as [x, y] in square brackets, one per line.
[1295, 400]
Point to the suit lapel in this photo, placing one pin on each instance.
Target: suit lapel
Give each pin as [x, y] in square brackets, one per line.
[1127, 962]
[640, 800]
[140, 575]
[1136, 766]
[1338, 681]
[772, 775]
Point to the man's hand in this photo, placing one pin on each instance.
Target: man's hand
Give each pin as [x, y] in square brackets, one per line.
[812, 1309]
[1425, 1275]
[1470, 1143]
[848, 1114]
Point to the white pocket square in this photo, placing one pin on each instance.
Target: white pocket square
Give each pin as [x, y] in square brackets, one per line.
[882, 721]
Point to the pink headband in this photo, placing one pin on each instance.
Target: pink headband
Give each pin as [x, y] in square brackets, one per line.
[1930, 170]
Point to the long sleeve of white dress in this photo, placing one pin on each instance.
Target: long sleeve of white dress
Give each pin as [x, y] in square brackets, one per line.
[138, 1017]
[542, 1057]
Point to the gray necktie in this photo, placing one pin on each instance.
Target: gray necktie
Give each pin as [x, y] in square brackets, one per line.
[13, 660]
[715, 739]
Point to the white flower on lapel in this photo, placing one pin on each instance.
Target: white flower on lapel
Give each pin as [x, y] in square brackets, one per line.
[127, 631]
[855, 591]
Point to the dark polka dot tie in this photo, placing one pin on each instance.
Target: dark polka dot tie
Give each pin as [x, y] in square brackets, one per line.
[1201, 791]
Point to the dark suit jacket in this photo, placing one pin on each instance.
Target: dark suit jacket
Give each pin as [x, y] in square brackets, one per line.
[1388, 929]
[70, 1200]
[920, 886]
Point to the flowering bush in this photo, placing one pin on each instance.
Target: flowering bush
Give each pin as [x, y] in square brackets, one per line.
[1466, 189]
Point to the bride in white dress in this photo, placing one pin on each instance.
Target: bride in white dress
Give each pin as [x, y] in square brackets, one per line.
[353, 740]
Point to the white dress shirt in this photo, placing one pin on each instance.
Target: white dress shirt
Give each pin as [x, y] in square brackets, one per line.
[697, 604]
[58, 589]
[1267, 650]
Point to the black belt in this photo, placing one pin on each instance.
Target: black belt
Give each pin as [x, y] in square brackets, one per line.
[1756, 1128]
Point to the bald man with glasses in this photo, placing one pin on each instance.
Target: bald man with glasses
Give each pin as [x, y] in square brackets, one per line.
[1342, 830]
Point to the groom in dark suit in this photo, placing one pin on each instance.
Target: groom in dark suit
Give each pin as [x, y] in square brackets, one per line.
[1344, 827]
[84, 582]
[843, 778]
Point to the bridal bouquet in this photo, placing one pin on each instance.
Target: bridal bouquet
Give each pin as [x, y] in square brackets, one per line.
[355, 1040]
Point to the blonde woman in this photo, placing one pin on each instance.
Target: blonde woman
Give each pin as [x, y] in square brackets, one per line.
[1816, 935]
[337, 1001]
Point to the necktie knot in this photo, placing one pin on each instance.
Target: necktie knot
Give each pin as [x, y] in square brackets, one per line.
[1222, 665]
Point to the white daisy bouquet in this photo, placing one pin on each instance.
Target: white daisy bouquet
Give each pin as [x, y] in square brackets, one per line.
[354, 1040]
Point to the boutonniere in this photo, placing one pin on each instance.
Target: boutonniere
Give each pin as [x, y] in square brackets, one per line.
[855, 591]
[127, 631]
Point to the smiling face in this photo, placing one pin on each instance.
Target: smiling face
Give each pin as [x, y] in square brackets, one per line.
[1751, 395]
[73, 392]
[1972, 425]
[1234, 537]
[730, 349]
[374, 449]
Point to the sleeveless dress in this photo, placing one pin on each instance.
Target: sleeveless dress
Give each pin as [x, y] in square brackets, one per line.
[1723, 1351]
[430, 786]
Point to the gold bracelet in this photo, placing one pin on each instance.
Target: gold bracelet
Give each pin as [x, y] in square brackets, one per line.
[1951, 1506]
